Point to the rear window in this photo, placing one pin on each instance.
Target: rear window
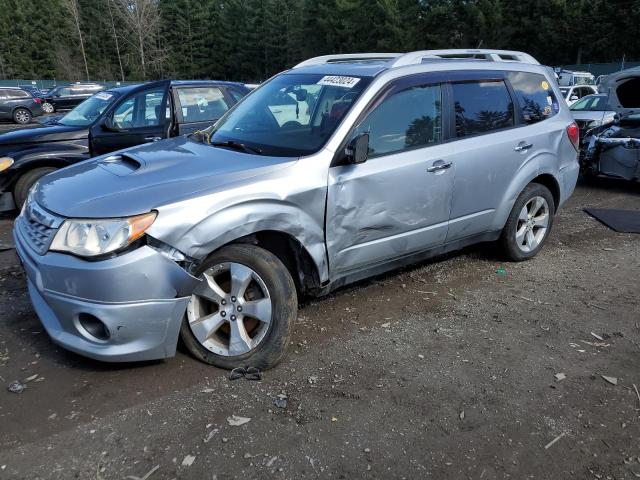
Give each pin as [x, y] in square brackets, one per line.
[482, 107]
[534, 95]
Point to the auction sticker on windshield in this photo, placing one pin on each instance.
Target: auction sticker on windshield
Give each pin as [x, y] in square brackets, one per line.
[338, 81]
[103, 96]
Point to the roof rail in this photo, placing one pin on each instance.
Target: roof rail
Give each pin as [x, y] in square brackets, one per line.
[413, 58]
[348, 57]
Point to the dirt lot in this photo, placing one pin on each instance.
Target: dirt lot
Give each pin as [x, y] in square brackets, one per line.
[445, 370]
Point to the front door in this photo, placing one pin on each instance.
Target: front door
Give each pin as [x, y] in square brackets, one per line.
[398, 201]
[140, 117]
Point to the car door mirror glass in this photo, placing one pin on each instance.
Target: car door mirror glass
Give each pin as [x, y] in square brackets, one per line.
[358, 149]
[109, 125]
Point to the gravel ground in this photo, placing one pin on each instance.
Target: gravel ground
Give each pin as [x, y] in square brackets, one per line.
[444, 370]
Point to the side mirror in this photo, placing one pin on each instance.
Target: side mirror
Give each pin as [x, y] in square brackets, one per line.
[109, 125]
[301, 94]
[358, 149]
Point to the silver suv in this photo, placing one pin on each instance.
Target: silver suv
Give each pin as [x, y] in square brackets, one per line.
[336, 170]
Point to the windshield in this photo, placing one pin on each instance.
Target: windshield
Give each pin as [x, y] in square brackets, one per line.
[88, 111]
[591, 103]
[290, 116]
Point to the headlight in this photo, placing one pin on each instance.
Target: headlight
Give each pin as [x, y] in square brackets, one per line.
[88, 238]
[5, 162]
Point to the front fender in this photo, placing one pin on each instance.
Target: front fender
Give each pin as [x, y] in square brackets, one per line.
[212, 232]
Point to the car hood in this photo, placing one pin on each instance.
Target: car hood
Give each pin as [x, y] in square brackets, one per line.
[50, 133]
[139, 179]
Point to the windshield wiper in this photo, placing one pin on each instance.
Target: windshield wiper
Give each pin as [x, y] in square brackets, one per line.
[237, 146]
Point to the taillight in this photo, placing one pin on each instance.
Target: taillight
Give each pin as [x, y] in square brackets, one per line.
[574, 135]
[37, 100]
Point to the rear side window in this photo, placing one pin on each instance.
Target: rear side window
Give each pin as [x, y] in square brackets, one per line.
[406, 120]
[202, 104]
[16, 94]
[535, 96]
[482, 107]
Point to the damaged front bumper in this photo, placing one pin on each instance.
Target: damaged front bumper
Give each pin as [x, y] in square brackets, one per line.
[126, 308]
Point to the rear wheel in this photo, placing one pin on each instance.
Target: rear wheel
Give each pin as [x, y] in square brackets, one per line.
[243, 312]
[26, 181]
[21, 116]
[529, 223]
[47, 107]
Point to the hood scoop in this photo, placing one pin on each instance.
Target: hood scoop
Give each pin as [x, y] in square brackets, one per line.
[119, 165]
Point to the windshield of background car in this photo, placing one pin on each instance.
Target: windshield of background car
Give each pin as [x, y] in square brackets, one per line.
[292, 115]
[590, 104]
[88, 111]
[564, 91]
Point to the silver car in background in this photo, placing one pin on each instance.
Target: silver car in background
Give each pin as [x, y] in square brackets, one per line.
[336, 170]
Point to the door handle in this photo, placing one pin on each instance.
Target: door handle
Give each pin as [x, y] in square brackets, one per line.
[523, 147]
[439, 165]
[152, 139]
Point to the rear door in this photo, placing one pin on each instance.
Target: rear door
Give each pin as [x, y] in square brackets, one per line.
[494, 114]
[484, 150]
[139, 117]
[199, 107]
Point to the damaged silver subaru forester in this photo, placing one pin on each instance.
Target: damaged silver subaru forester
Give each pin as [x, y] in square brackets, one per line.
[338, 169]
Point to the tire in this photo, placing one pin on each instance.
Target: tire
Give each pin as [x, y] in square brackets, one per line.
[22, 116]
[518, 247]
[211, 341]
[26, 181]
[48, 107]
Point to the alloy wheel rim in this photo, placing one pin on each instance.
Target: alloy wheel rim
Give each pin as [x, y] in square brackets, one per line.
[22, 117]
[532, 225]
[229, 312]
[47, 107]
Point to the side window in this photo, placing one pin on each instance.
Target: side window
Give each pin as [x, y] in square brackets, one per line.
[64, 92]
[482, 107]
[202, 104]
[535, 96]
[140, 110]
[407, 119]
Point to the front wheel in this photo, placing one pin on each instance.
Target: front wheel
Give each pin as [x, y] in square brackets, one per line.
[244, 310]
[529, 223]
[21, 116]
[26, 181]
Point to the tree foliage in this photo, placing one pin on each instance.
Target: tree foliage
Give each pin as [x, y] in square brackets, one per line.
[251, 40]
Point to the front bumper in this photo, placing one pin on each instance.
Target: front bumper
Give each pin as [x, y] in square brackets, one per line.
[139, 296]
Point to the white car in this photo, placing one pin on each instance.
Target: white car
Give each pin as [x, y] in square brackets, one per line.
[575, 93]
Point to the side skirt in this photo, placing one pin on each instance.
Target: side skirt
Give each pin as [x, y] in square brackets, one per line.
[403, 261]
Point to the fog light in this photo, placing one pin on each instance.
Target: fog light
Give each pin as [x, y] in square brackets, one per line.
[93, 326]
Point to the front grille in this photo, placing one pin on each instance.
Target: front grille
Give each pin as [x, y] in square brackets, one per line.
[38, 227]
[38, 235]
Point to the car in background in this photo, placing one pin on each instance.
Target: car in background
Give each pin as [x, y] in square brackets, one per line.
[109, 120]
[34, 91]
[69, 96]
[573, 94]
[568, 78]
[592, 111]
[613, 149]
[18, 105]
[344, 167]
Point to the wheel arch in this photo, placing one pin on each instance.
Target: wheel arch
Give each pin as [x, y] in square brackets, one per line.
[291, 253]
[532, 173]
